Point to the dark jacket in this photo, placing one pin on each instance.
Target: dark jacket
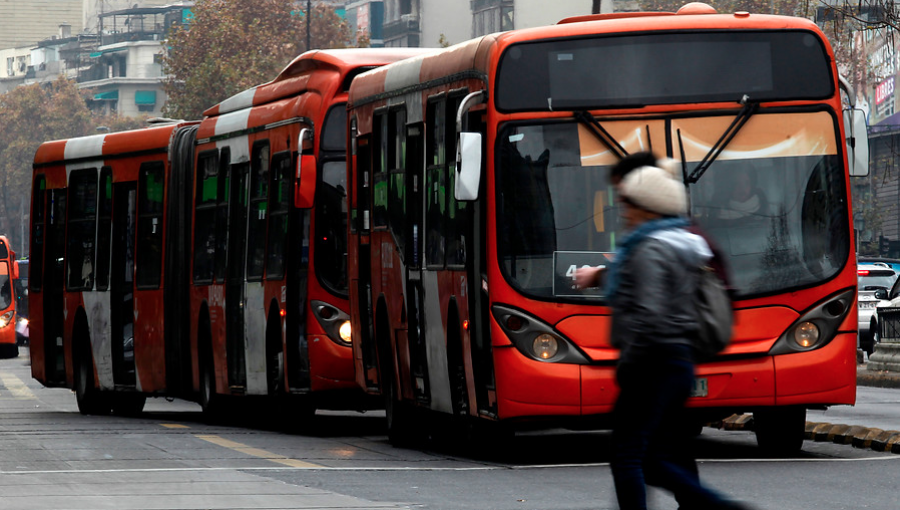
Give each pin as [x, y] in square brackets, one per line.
[654, 303]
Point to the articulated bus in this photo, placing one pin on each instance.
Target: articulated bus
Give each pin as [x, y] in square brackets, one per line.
[180, 260]
[461, 276]
[107, 297]
[269, 304]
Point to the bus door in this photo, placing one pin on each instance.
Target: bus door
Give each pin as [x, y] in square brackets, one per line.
[54, 279]
[234, 282]
[362, 286]
[415, 305]
[122, 282]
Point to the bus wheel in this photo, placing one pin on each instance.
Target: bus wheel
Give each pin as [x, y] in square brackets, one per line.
[89, 399]
[780, 430]
[210, 402]
[400, 420]
[128, 404]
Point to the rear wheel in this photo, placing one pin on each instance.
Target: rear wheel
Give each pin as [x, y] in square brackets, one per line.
[89, 399]
[780, 430]
[210, 402]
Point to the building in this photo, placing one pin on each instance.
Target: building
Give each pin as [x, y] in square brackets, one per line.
[434, 23]
[25, 22]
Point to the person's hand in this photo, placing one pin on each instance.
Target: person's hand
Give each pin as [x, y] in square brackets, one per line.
[586, 277]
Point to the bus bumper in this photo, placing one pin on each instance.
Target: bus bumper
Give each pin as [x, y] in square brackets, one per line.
[531, 389]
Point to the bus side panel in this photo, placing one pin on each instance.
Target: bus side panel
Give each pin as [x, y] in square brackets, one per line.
[149, 346]
[822, 376]
[36, 336]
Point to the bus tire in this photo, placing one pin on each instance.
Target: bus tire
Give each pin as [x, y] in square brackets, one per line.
[456, 369]
[89, 399]
[780, 430]
[399, 415]
[210, 402]
[274, 356]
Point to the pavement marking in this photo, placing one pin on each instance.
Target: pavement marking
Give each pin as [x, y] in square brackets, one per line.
[256, 452]
[174, 426]
[16, 387]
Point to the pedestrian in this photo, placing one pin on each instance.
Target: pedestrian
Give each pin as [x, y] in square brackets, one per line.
[650, 287]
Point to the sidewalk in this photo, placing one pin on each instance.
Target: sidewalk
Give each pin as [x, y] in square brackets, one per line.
[876, 378]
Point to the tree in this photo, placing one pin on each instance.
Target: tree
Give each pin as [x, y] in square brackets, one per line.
[232, 45]
[31, 115]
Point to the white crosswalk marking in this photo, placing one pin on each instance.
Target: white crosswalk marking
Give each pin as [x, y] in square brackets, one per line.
[16, 387]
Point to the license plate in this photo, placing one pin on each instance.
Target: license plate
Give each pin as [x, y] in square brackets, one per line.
[701, 387]
[868, 304]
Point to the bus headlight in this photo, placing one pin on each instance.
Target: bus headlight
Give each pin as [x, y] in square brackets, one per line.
[806, 334]
[345, 331]
[545, 346]
[817, 326]
[535, 339]
[6, 318]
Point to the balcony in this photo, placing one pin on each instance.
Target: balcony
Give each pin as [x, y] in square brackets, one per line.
[407, 25]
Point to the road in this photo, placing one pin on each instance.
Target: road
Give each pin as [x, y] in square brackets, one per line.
[51, 457]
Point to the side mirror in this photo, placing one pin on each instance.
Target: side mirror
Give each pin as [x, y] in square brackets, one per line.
[857, 142]
[468, 167]
[305, 182]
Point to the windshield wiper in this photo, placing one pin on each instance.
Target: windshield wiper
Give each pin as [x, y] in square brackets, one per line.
[742, 117]
[601, 134]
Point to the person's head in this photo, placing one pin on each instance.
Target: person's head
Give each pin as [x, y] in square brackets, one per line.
[652, 191]
[629, 163]
[743, 187]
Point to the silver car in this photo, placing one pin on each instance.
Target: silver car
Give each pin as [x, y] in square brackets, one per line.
[874, 283]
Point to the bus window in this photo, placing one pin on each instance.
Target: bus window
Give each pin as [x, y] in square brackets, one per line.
[104, 228]
[222, 215]
[331, 226]
[205, 209]
[150, 225]
[380, 191]
[435, 184]
[259, 195]
[81, 229]
[397, 177]
[281, 190]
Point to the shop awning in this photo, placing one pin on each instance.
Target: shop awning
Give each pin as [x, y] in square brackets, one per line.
[145, 97]
[109, 95]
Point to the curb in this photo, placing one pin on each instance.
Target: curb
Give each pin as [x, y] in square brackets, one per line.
[858, 436]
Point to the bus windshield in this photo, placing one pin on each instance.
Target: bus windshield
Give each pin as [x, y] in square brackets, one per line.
[5, 286]
[775, 207]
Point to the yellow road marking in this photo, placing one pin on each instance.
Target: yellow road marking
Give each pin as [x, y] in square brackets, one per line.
[16, 387]
[256, 452]
[174, 426]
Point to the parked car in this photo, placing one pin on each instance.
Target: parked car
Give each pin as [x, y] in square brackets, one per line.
[876, 286]
[892, 263]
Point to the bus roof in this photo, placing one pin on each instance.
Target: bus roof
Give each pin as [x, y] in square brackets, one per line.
[293, 79]
[473, 58]
[148, 139]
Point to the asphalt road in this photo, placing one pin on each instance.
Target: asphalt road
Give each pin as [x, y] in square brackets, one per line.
[51, 457]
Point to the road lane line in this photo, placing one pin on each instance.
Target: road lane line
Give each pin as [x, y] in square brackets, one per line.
[174, 426]
[16, 387]
[256, 452]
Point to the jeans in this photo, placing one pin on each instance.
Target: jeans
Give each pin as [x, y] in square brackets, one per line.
[651, 440]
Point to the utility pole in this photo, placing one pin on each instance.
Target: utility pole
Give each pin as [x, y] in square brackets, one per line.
[308, 16]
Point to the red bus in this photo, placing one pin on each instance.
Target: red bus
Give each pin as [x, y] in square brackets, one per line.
[9, 273]
[461, 275]
[106, 296]
[268, 301]
[181, 260]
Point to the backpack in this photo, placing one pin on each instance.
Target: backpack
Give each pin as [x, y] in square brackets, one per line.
[715, 315]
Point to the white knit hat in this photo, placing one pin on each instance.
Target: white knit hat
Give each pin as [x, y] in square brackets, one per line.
[656, 188]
